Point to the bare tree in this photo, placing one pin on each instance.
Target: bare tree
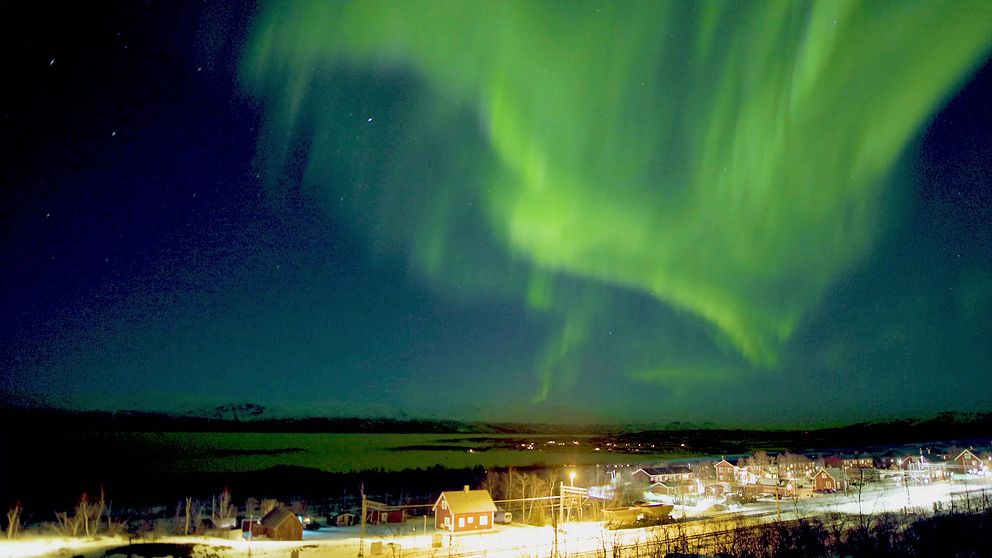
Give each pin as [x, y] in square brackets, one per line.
[524, 482]
[14, 521]
[793, 465]
[92, 512]
[509, 483]
[759, 459]
[251, 507]
[495, 483]
[299, 507]
[222, 512]
[85, 519]
[67, 526]
[268, 505]
[189, 512]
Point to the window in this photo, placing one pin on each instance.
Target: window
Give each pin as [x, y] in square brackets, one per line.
[471, 519]
[461, 521]
[483, 520]
[447, 521]
[444, 504]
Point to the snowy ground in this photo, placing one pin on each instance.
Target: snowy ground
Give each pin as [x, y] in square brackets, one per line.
[409, 540]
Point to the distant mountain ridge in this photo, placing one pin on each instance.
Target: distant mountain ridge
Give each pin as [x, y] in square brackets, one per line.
[945, 425]
[144, 421]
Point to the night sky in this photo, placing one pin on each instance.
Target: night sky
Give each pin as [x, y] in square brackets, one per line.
[750, 213]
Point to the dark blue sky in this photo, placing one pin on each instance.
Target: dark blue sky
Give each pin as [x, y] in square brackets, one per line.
[183, 225]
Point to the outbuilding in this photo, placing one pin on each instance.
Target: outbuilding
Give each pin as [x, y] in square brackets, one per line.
[280, 524]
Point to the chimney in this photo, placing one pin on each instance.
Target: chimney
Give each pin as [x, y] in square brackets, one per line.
[466, 488]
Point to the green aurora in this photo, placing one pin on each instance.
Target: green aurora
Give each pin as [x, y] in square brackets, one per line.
[733, 162]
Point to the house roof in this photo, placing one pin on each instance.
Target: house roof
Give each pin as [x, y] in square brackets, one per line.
[467, 501]
[834, 472]
[969, 452]
[277, 517]
[723, 463]
[670, 470]
[674, 483]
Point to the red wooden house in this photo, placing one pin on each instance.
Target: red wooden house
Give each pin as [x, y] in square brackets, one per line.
[464, 511]
[725, 471]
[655, 475]
[779, 488]
[967, 461]
[830, 479]
[675, 488]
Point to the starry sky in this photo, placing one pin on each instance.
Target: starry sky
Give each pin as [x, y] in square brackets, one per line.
[752, 213]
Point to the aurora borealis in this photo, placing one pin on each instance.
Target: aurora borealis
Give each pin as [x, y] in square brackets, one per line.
[757, 213]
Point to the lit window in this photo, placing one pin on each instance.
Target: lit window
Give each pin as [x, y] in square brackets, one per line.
[483, 520]
[461, 521]
[447, 521]
[471, 519]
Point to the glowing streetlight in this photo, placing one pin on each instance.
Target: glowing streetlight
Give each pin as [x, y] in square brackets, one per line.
[571, 478]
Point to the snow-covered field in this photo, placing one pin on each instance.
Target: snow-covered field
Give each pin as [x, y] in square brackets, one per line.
[512, 541]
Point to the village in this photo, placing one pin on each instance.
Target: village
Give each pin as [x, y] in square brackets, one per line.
[539, 511]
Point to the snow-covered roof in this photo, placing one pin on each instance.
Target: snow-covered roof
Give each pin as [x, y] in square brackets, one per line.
[835, 473]
[277, 517]
[467, 501]
[669, 470]
[969, 452]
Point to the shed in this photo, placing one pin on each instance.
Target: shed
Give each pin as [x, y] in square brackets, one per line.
[281, 524]
[386, 515]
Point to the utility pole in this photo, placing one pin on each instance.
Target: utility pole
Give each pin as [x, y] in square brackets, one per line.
[361, 537]
[778, 497]
[556, 553]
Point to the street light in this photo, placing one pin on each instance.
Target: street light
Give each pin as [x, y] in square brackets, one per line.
[571, 478]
